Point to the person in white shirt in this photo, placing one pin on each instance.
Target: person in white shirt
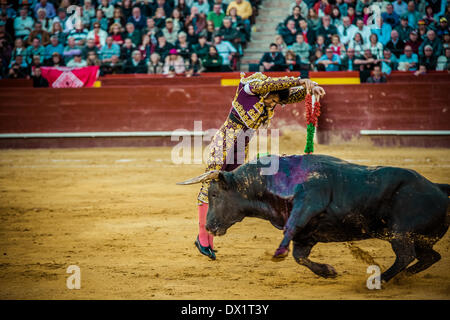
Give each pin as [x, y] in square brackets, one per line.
[77, 62]
[346, 31]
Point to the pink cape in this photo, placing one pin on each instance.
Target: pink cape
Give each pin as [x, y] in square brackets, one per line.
[65, 77]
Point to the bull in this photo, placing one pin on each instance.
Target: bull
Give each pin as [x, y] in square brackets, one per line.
[319, 198]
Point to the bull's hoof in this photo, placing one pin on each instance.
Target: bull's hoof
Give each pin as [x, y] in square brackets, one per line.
[326, 271]
[280, 254]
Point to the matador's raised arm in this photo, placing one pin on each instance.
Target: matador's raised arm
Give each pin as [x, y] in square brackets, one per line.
[265, 86]
[295, 95]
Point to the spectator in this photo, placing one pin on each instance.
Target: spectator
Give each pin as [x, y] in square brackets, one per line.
[273, 60]
[395, 45]
[145, 7]
[279, 41]
[414, 42]
[78, 33]
[174, 64]
[163, 47]
[98, 35]
[202, 5]
[56, 60]
[357, 44]
[366, 63]
[289, 33]
[88, 9]
[114, 66]
[19, 48]
[433, 41]
[320, 45]
[300, 48]
[404, 29]
[137, 19]
[335, 17]
[66, 23]
[54, 46]
[182, 46]
[127, 9]
[201, 48]
[428, 16]
[327, 29]
[408, 61]
[118, 18]
[35, 49]
[127, 49]
[210, 32]
[377, 76]
[348, 62]
[216, 16]
[48, 6]
[88, 48]
[336, 45]
[295, 16]
[341, 5]
[313, 58]
[313, 19]
[329, 61]
[164, 5]
[146, 47]
[230, 34]
[293, 61]
[58, 31]
[133, 34]
[302, 5]
[192, 38]
[77, 62]
[213, 61]
[390, 16]
[238, 23]
[429, 60]
[308, 34]
[322, 7]
[178, 20]
[44, 20]
[443, 62]
[100, 19]
[226, 51]
[108, 50]
[107, 8]
[155, 66]
[135, 64]
[422, 29]
[244, 9]
[389, 62]
[194, 66]
[400, 7]
[151, 29]
[442, 27]
[198, 20]
[169, 32]
[421, 71]
[114, 31]
[183, 8]
[382, 30]
[363, 30]
[374, 46]
[38, 80]
[23, 24]
[412, 15]
[17, 72]
[351, 14]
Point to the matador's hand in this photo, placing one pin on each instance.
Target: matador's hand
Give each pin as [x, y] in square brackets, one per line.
[308, 84]
[318, 92]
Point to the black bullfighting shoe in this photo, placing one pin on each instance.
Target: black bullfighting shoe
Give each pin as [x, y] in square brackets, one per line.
[205, 250]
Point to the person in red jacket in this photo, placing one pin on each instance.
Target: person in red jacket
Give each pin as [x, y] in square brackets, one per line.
[324, 6]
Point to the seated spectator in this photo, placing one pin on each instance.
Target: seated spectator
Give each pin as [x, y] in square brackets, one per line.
[194, 66]
[48, 6]
[322, 7]
[92, 59]
[389, 62]
[282, 47]
[127, 49]
[335, 16]
[421, 71]
[118, 18]
[320, 44]
[108, 50]
[363, 30]
[293, 62]
[313, 19]
[192, 37]
[209, 32]
[78, 33]
[295, 16]
[151, 29]
[201, 48]
[309, 35]
[302, 5]
[395, 45]
[400, 7]
[88, 9]
[160, 18]
[133, 34]
[300, 48]
[98, 35]
[113, 66]
[99, 17]
[351, 13]
[432, 41]
[348, 62]
[70, 50]
[408, 61]
[202, 5]
[346, 31]
[289, 32]
[382, 30]
[16, 71]
[226, 51]
[404, 29]
[38, 80]
[139, 22]
[135, 64]
[145, 6]
[182, 46]
[63, 20]
[56, 60]
[107, 8]
[327, 29]
[40, 33]
[329, 61]
[155, 66]
[414, 41]
[244, 9]
[178, 20]
[198, 20]
[230, 34]
[184, 8]
[443, 62]
[89, 47]
[314, 57]
[77, 62]
[422, 29]
[19, 48]
[273, 60]
[336, 45]
[174, 64]
[58, 31]
[54, 46]
[169, 32]
[163, 5]
[374, 46]
[377, 76]
[428, 59]
[213, 61]
[23, 24]
[390, 16]
[366, 63]
[127, 9]
[239, 24]
[442, 28]
[114, 31]
[163, 47]
[357, 43]
[35, 49]
[412, 14]
[146, 47]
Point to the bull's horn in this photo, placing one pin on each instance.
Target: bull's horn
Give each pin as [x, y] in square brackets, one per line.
[203, 177]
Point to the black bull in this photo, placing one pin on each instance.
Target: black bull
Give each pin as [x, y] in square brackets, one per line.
[318, 198]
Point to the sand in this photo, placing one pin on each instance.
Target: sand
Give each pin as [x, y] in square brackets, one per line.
[118, 215]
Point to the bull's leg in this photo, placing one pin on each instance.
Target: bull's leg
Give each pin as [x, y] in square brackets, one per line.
[405, 254]
[426, 256]
[301, 253]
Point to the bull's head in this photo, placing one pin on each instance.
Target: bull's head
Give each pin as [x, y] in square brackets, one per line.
[224, 208]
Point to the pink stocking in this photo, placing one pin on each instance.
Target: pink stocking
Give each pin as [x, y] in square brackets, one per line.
[202, 233]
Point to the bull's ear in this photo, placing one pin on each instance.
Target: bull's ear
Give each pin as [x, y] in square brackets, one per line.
[225, 180]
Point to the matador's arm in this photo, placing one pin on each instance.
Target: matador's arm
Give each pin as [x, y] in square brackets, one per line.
[274, 84]
[295, 95]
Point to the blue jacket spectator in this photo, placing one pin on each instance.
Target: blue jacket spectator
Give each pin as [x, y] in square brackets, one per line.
[137, 19]
[408, 61]
[330, 61]
[390, 16]
[48, 6]
[35, 49]
[23, 24]
[54, 46]
[382, 30]
[109, 49]
[400, 7]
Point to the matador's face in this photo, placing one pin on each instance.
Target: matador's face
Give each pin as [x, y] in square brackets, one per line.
[272, 100]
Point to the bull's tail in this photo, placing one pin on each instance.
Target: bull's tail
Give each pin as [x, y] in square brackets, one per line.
[444, 187]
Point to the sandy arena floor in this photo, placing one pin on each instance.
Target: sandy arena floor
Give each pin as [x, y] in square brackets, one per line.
[118, 215]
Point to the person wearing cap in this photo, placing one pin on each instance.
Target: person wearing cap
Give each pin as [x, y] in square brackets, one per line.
[403, 29]
[173, 64]
[422, 29]
[54, 46]
[428, 59]
[433, 41]
[414, 41]
[442, 27]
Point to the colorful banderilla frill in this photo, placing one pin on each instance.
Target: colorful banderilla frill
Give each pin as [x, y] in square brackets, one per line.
[312, 115]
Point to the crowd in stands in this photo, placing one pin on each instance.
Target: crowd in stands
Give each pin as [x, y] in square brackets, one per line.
[171, 37]
[373, 37]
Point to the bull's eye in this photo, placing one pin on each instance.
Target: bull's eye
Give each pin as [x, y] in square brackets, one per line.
[213, 195]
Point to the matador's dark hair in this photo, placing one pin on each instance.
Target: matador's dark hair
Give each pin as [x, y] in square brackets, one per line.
[283, 94]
